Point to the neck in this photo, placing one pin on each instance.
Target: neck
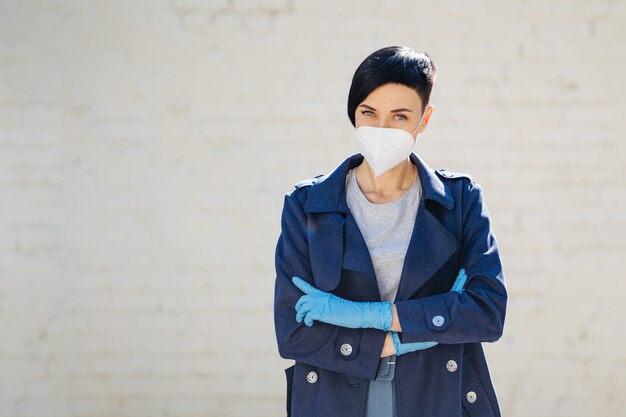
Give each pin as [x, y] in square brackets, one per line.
[400, 177]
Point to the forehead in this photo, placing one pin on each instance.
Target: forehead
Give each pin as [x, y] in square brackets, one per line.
[392, 95]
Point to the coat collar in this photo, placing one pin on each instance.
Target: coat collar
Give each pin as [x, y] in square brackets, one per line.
[328, 193]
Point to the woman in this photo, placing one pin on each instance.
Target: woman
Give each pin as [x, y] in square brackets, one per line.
[388, 275]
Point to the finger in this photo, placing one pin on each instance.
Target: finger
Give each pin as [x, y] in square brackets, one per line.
[308, 320]
[301, 313]
[460, 281]
[299, 317]
[301, 301]
[304, 286]
[463, 278]
[308, 304]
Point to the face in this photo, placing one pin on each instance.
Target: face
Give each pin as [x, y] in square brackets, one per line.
[393, 105]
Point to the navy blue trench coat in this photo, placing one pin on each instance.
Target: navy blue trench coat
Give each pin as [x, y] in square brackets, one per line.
[321, 243]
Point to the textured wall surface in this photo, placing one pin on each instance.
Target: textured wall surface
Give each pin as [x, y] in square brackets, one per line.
[145, 148]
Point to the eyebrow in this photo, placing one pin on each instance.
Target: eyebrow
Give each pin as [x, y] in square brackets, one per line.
[392, 111]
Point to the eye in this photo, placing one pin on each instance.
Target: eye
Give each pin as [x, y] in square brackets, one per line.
[403, 116]
[367, 111]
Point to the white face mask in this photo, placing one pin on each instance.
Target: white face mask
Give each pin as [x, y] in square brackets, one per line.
[385, 147]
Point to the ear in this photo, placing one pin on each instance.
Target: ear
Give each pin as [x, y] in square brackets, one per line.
[427, 113]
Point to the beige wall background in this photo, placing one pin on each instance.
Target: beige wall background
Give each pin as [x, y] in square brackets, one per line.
[145, 148]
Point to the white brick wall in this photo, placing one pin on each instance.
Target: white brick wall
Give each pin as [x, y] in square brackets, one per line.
[145, 148]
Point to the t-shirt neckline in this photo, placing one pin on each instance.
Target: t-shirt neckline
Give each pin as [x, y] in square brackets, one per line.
[363, 198]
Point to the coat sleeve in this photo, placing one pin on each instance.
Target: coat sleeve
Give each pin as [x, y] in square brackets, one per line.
[476, 314]
[321, 344]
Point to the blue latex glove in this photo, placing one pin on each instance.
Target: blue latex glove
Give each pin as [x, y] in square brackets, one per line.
[323, 306]
[402, 348]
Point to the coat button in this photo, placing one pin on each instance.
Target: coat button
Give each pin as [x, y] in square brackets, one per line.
[438, 321]
[312, 377]
[451, 365]
[346, 349]
[471, 397]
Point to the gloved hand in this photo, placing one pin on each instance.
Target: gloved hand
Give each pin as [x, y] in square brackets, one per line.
[323, 306]
[402, 348]
[460, 281]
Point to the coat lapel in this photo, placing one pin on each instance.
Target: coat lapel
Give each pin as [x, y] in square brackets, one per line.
[335, 240]
[356, 254]
[430, 246]
[326, 248]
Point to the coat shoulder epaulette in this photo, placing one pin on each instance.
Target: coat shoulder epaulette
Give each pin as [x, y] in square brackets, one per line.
[450, 174]
[308, 181]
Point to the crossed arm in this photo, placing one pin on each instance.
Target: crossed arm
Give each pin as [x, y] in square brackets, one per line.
[329, 308]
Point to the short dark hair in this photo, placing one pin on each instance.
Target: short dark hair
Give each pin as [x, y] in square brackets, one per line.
[392, 64]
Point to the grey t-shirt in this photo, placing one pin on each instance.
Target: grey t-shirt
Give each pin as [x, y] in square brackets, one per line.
[387, 229]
